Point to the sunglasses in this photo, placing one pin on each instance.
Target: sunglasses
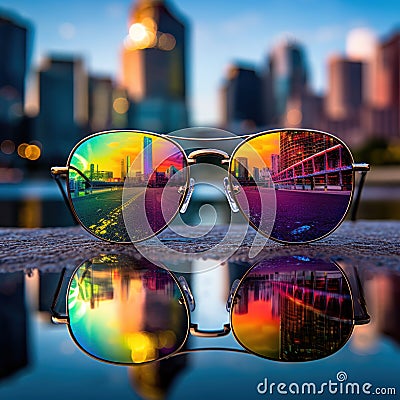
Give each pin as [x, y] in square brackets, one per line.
[292, 185]
[126, 310]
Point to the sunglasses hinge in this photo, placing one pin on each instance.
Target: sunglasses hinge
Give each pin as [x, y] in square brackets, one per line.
[59, 170]
[59, 319]
[361, 167]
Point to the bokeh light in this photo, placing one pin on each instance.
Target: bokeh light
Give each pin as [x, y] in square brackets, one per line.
[121, 105]
[32, 152]
[166, 42]
[141, 35]
[21, 149]
[7, 146]
[294, 117]
[361, 44]
[137, 32]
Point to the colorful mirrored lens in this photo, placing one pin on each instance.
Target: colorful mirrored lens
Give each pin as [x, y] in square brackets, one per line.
[117, 175]
[308, 173]
[126, 311]
[293, 309]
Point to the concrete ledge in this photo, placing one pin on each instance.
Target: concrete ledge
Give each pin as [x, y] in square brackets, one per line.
[364, 243]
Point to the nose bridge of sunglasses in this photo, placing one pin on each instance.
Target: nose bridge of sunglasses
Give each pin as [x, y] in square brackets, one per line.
[187, 293]
[229, 196]
[232, 292]
[201, 153]
[189, 193]
[227, 191]
[224, 159]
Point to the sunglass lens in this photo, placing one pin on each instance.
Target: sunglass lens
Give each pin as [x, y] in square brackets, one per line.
[126, 311]
[311, 173]
[116, 183]
[293, 309]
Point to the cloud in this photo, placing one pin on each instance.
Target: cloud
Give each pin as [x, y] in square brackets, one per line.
[331, 33]
[67, 30]
[240, 23]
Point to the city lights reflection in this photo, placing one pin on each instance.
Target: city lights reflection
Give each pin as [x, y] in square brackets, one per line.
[309, 173]
[123, 179]
[126, 310]
[293, 309]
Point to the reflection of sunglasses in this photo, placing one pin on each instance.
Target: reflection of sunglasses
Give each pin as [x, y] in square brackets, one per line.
[128, 311]
[294, 186]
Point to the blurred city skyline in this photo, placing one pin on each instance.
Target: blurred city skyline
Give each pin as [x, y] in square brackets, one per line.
[218, 37]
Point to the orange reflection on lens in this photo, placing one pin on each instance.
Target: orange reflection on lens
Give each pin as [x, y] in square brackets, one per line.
[293, 309]
[308, 174]
[126, 310]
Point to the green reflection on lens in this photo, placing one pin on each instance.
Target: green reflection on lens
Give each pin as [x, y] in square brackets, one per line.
[99, 168]
[126, 312]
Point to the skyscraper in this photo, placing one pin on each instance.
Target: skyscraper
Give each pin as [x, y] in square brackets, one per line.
[287, 75]
[275, 160]
[386, 90]
[123, 170]
[242, 98]
[384, 118]
[13, 68]
[147, 156]
[154, 66]
[100, 103]
[241, 168]
[63, 90]
[345, 88]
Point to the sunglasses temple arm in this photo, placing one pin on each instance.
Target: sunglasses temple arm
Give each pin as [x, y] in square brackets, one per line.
[56, 317]
[64, 195]
[361, 315]
[56, 172]
[358, 196]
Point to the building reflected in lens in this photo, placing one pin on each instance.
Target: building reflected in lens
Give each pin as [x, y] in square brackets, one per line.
[293, 309]
[124, 310]
[153, 381]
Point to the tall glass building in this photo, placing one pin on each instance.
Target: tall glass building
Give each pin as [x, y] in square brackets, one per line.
[147, 156]
[288, 74]
[154, 62]
[13, 69]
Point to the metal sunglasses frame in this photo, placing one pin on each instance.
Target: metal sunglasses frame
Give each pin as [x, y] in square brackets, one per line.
[229, 187]
[359, 313]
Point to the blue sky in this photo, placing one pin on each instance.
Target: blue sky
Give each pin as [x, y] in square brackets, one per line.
[221, 32]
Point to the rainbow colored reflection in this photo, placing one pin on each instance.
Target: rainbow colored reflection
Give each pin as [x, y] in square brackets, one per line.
[126, 310]
[308, 175]
[144, 164]
[293, 309]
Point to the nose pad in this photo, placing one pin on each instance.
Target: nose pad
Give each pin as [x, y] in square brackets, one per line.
[234, 286]
[187, 293]
[228, 194]
[188, 195]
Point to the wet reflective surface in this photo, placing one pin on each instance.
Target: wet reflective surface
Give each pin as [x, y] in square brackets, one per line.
[41, 359]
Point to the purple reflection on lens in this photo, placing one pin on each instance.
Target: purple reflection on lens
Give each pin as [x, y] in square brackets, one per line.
[163, 194]
[312, 180]
[153, 189]
[303, 216]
